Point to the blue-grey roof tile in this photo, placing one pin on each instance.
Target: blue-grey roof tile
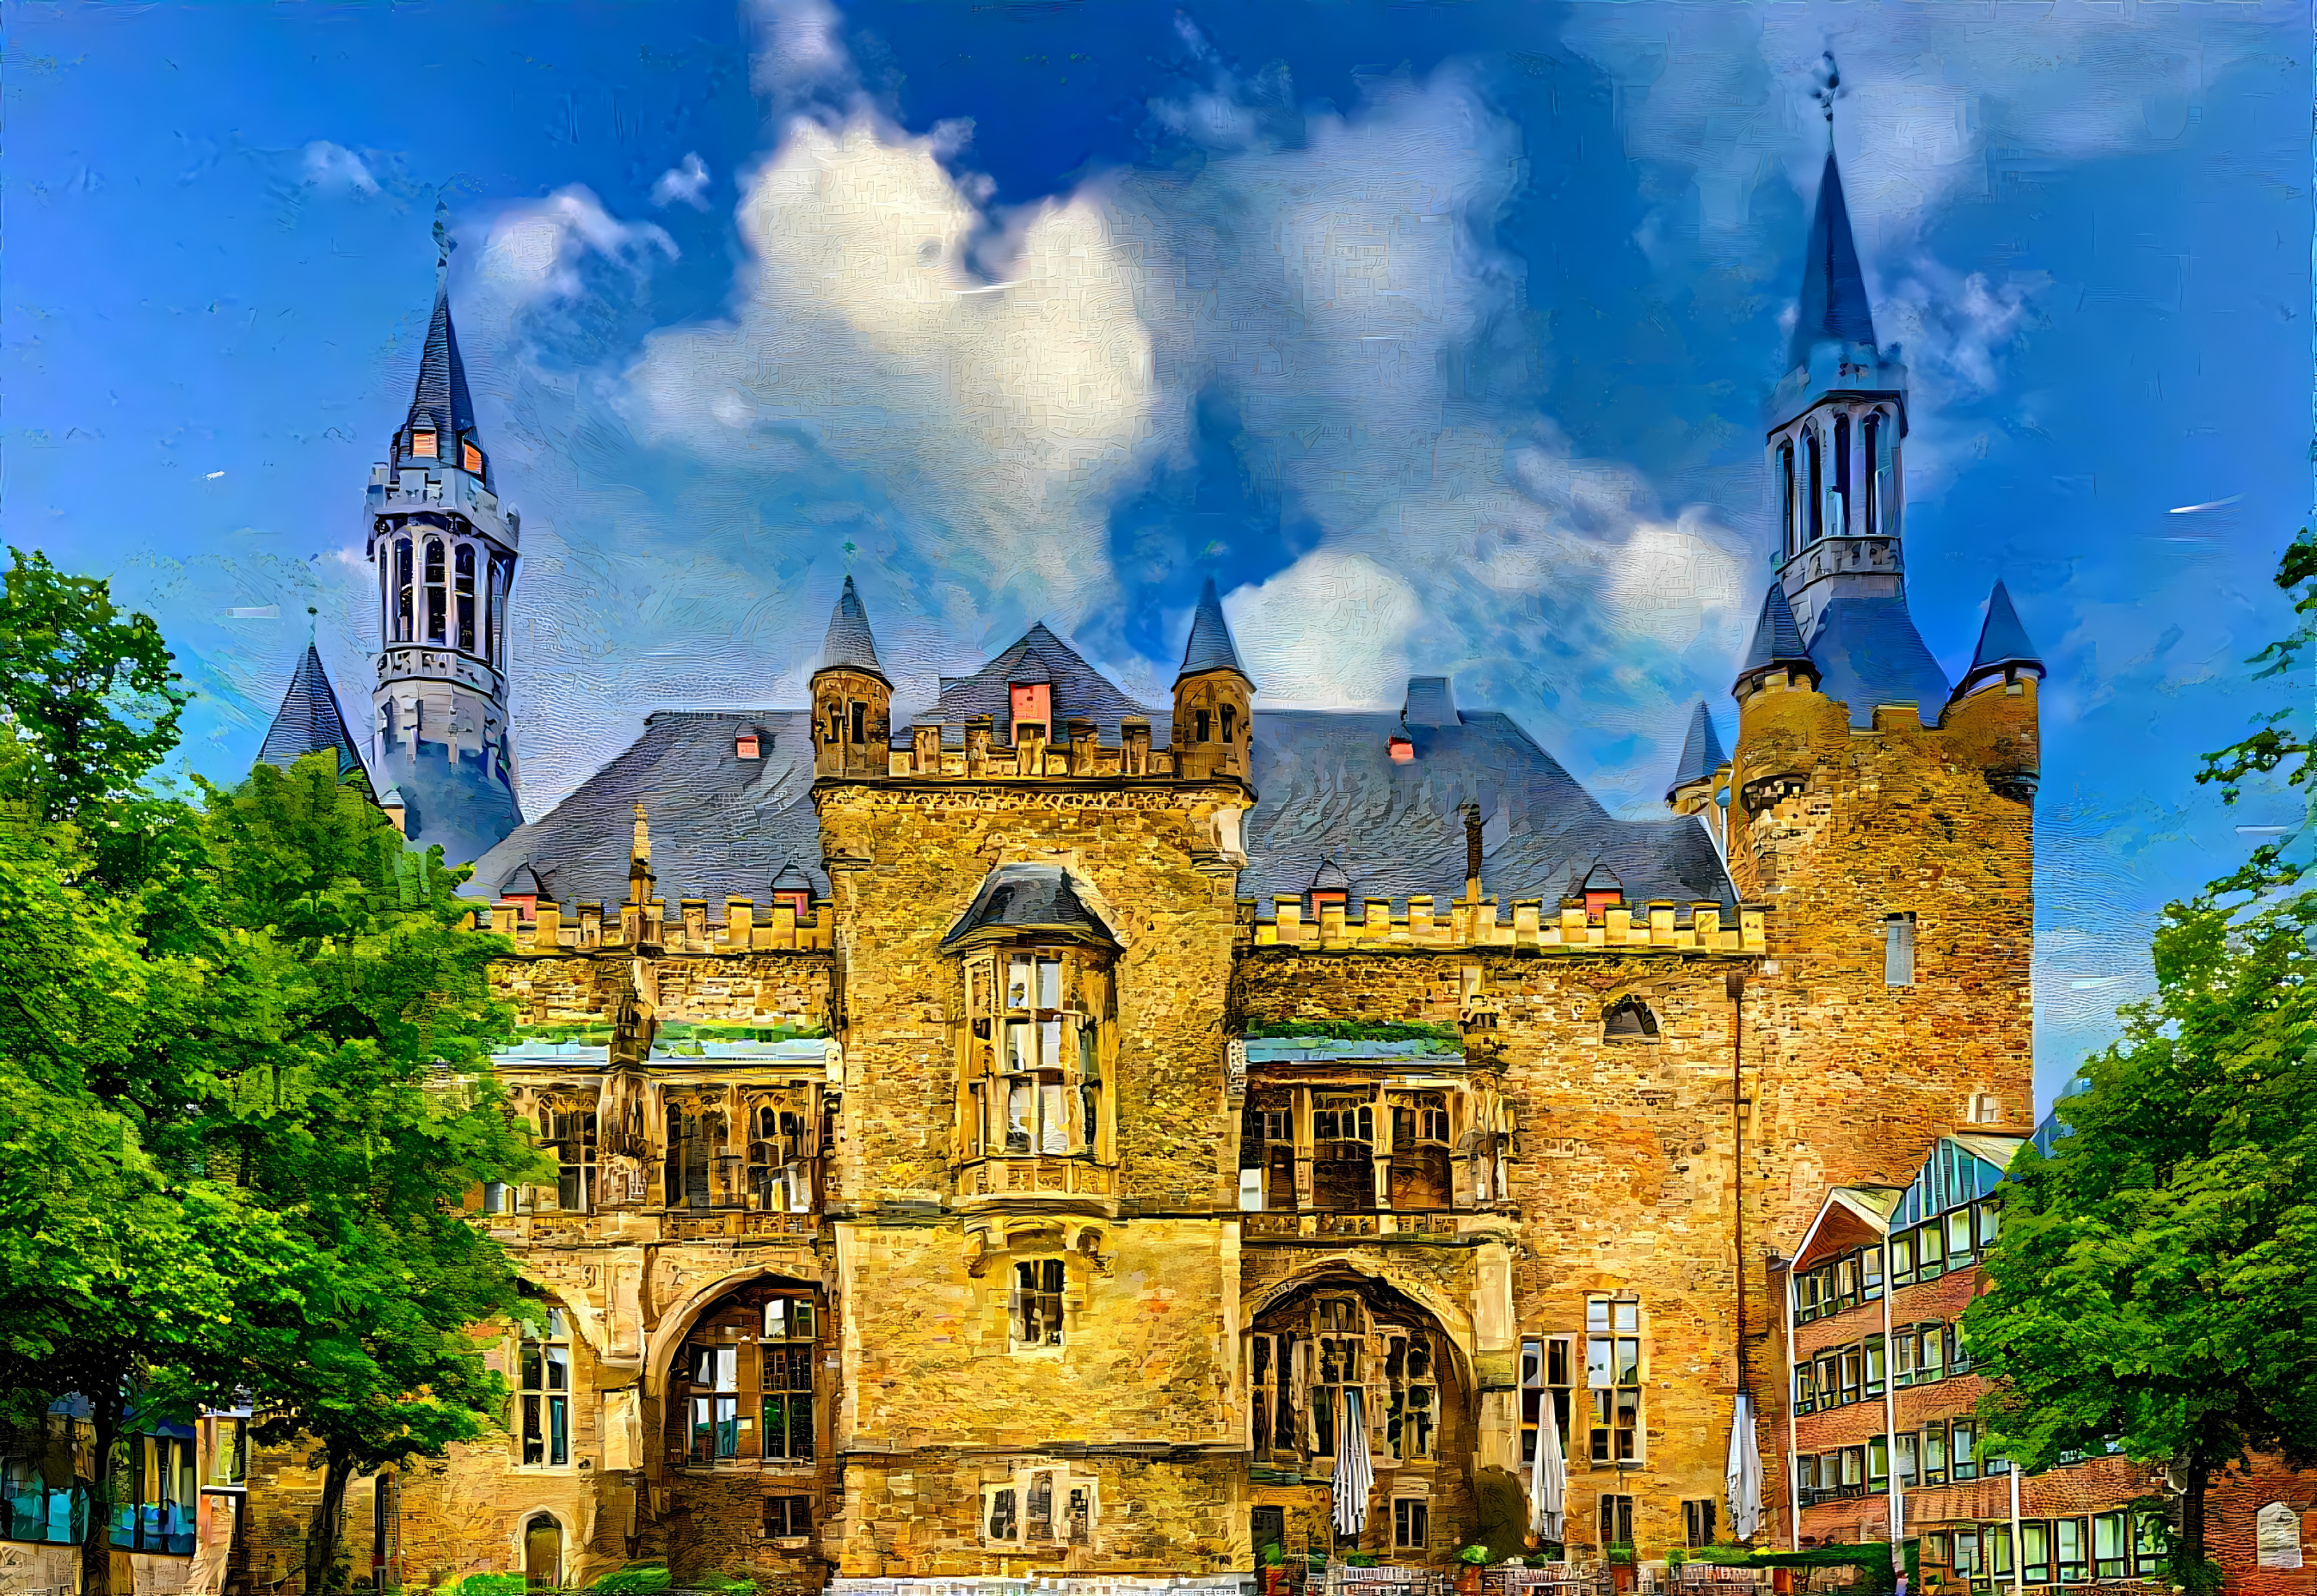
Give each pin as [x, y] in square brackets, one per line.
[1018, 899]
[309, 721]
[1079, 692]
[1868, 653]
[2002, 640]
[1834, 307]
[1431, 701]
[442, 400]
[1700, 751]
[849, 644]
[1210, 647]
[1778, 640]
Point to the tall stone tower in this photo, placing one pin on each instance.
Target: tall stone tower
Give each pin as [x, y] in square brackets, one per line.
[442, 751]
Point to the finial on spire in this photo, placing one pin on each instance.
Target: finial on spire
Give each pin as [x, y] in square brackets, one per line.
[312, 623]
[1827, 82]
[443, 245]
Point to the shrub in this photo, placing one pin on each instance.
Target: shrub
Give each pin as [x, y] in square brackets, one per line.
[637, 1579]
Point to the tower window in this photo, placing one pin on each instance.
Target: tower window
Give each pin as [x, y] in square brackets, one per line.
[1230, 723]
[1873, 440]
[1787, 495]
[464, 569]
[404, 621]
[435, 607]
[422, 443]
[495, 610]
[1814, 466]
[1899, 950]
[472, 458]
[1841, 475]
[1199, 720]
[860, 721]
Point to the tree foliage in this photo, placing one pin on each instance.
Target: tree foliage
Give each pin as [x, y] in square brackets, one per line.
[2152, 1292]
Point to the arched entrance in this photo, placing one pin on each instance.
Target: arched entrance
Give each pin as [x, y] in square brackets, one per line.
[1345, 1351]
[542, 1553]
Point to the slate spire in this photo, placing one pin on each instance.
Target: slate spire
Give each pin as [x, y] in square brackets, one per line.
[849, 645]
[2003, 646]
[1777, 641]
[1210, 647]
[1702, 753]
[309, 721]
[441, 401]
[1834, 308]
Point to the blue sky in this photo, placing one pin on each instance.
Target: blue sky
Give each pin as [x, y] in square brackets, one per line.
[1439, 333]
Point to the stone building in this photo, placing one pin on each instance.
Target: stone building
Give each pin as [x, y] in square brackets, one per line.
[1037, 1133]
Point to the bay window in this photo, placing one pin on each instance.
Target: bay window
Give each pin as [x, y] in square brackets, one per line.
[1036, 1044]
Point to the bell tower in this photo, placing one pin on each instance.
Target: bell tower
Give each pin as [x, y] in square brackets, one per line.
[445, 552]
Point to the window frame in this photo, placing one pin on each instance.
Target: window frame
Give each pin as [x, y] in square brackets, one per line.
[1411, 1523]
[1035, 1076]
[542, 1399]
[1037, 1304]
[1615, 1430]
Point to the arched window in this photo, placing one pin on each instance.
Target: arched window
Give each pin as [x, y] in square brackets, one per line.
[1230, 723]
[1873, 438]
[437, 608]
[1787, 495]
[729, 1406]
[1815, 505]
[405, 621]
[1629, 1020]
[542, 1549]
[463, 571]
[1841, 527]
[386, 595]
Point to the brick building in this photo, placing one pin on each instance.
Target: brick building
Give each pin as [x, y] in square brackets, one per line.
[1036, 1134]
[1875, 1435]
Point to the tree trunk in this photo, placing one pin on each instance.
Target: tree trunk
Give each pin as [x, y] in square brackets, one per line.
[96, 1541]
[2192, 1535]
[322, 1541]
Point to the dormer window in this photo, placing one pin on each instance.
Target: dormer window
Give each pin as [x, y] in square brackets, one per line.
[744, 746]
[422, 443]
[1329, 887]
[472, 458]
[1403, 750]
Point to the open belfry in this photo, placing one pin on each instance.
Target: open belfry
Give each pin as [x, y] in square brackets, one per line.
[1032, 1134]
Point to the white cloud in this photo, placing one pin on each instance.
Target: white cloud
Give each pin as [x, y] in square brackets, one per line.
[801, 54]
[533, 250]
[687, 181]
[1328, 632]
[334, 168]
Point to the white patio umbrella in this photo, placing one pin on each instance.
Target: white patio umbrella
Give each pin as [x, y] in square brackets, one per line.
[1745, 1473]
[1548, 1477]
[1354, 1473]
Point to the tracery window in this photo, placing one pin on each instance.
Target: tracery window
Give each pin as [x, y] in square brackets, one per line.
[463, 571]
[1035, 1077]
[1325, 1364]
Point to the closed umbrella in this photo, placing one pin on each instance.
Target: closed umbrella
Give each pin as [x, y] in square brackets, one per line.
[1548, 1479]
[1745, 1473]
[1355, 1474]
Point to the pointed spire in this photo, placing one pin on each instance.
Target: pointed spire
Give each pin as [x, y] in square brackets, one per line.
[849, 645]
[309, 721]
[1210, 647]
[2003, 646]
[1778, 640]
[441, 401]
[1834, 308]
[1701, 752]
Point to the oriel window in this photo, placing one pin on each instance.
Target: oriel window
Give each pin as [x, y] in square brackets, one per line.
[1033, 1074]
[544, 1356]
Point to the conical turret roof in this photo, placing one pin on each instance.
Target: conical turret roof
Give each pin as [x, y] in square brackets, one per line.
[1778, 640]
[849, 645]
[2003, 642]
[1834, 308]
[1210, 647]
[1701, 752]
[442, 400]
[309, 721]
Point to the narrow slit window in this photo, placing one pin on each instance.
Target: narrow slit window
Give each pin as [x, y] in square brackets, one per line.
[1899, 949]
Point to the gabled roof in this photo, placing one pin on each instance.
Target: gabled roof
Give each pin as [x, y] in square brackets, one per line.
[1701, 752]
[1834, 307]
[1778, 640]
[1022, 900]
[442, 400]
[2003, 644]
[849, 645]
[523, 880]
[309, 721]
[1848, 1217]
[1210, 647]
[721, 825]
[1868, 652]
[1330, 877]
[1080, 693]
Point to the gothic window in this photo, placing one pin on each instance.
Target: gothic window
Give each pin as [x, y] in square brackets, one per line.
[1200, 721]
[544, 1356]
[1037, 1305]
[1871, 438]
[1814, 502]
[696, 1145]
[494, 610]
[405, 621]
[1630, 1020]
[742, 1387]
[464, 570]
[1787, 494]
[1230, 722]
[1841, 475]
[568, 1131]
[1272, 1412]
[1420, 1150]
[860, 721]
[1613, 1378]
[1343, 1152]
[1035, 1074]
[1413, 1396]
[435, 607]
[782, 1148]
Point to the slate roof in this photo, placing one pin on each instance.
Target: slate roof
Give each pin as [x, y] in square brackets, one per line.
[1080, 693]
[1868, 652]
[1210, 647]
[309, 721]
[1328, 787]
[1834, 307]
[2002, 641]
[849, 643]
[442, 398]
[1700, 751]
[1778, 640]
[1015, 898]
[721, 825]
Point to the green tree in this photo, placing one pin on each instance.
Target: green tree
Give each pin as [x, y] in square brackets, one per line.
[381, 1114]
[2153, 1291]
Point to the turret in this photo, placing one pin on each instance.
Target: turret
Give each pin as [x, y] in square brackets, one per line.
[310, 721]
[852, 702]
[1702, 768]
[1214, 718]
[446, 554]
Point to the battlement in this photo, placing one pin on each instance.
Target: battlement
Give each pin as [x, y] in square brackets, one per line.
[539, 929]
[1081, 753]
[409, 492]
[1659, 926]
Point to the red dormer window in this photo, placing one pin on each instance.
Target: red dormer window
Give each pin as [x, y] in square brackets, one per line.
[802, 902]
[472, 458]
[526, 906]
[743, 747]
[1595, 902]
[1034, 707]
[1321, 900]
[1404, 751]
